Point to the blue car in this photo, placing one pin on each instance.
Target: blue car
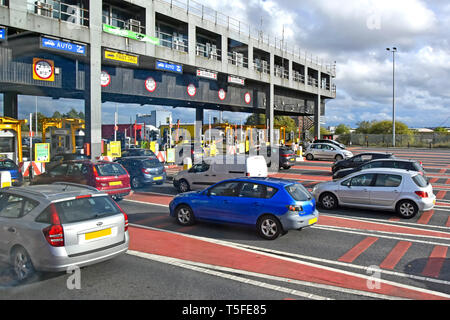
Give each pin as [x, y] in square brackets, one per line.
[16, 175]
[274, 206]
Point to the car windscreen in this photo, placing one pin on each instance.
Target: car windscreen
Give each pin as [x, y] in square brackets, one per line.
[151, 163]
[82, 209]
[298, 192]
[7, 165]
[110, 169]
[420, 181]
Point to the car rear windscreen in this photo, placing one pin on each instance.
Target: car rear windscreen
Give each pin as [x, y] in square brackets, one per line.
[151, 163]
[110, 169]
[420, 181]
[298, 192]
[83, 209]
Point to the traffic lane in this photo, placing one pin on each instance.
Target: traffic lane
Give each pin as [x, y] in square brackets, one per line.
[326, 246]
[128, 277]
[439, 216]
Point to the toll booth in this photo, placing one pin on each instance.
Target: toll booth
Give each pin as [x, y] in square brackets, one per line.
[65, 135]
[11, 138]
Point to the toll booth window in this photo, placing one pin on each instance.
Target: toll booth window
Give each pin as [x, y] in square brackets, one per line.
[7, 144]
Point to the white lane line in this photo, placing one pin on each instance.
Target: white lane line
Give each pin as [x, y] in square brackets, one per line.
[282, 256]
[422, 226]
[377, 233]
[299, 282]
[147, 203]
[179, 263]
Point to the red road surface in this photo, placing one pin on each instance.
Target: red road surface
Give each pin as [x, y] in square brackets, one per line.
[190, 249]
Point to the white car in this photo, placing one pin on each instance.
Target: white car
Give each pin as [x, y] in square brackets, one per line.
[405, 192]
[326, 151]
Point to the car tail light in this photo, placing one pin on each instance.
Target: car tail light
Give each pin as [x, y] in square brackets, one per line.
[94, 169]
[144, 170]
[286, 155]
[422, 194]
[54, 234]
[125, 217]
[295, 208]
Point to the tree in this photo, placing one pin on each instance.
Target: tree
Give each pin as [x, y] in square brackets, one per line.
[385, 127]
[440, 129]
[364, 126]
[73, 114]
[279, 121]
[342, 129]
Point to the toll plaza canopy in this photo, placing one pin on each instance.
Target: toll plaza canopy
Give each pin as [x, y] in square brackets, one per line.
[178, 54]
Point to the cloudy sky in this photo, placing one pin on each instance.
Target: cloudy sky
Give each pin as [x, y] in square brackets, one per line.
[355, 34]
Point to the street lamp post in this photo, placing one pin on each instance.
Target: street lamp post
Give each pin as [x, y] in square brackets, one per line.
[393, 50]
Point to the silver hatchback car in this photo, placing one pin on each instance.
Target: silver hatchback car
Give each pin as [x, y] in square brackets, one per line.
[403, 191]
[326, 151]
[54, 227]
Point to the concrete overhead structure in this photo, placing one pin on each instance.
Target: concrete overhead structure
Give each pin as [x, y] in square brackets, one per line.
[175, 53]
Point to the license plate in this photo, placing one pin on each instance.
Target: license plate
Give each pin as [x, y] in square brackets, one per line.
[97, 234]
[434, 201]
[292, 159]
[157, 178]
[312, 221]
[115, 183]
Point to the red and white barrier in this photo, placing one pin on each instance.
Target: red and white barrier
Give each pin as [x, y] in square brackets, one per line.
[37, 167]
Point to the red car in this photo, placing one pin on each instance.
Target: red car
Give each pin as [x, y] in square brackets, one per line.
[109, 177]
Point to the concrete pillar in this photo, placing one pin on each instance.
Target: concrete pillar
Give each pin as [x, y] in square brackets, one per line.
[317, 109]
[250, 55]
[10, 105]
[224, 48]
[18, 13]
[270, 105]
[93, 92]
[291, 78]
[192, 40]
[150, 26]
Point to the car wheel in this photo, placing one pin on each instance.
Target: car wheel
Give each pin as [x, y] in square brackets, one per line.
[338, 157]
[328, 201]
[184, 215]
[135, 183]
[22, 266]
[183, 186]
[309, 157]
[269, 227]
[407, 209]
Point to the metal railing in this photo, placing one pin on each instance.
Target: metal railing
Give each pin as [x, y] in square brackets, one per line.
[208, 51]
[312, 81]
[123, 24]
[237, 59]
[298, 77]
[261, 66]
[281, 72]
[169, 41]
[59, 10]
[232, 24]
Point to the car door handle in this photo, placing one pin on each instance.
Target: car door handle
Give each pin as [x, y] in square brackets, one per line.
[256, 204]
[12, 229]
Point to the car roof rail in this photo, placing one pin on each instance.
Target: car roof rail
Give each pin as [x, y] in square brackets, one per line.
[33, 192]
[71, 184]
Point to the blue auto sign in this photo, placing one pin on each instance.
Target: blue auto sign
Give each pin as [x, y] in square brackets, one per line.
[165, 66]
[63, 46]
[2, 33]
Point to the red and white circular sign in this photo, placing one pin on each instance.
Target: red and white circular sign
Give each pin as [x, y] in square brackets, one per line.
[222, 94]
[105, 79]
[247, 98]
[150, 84]
[191, 90]
[43, 69]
